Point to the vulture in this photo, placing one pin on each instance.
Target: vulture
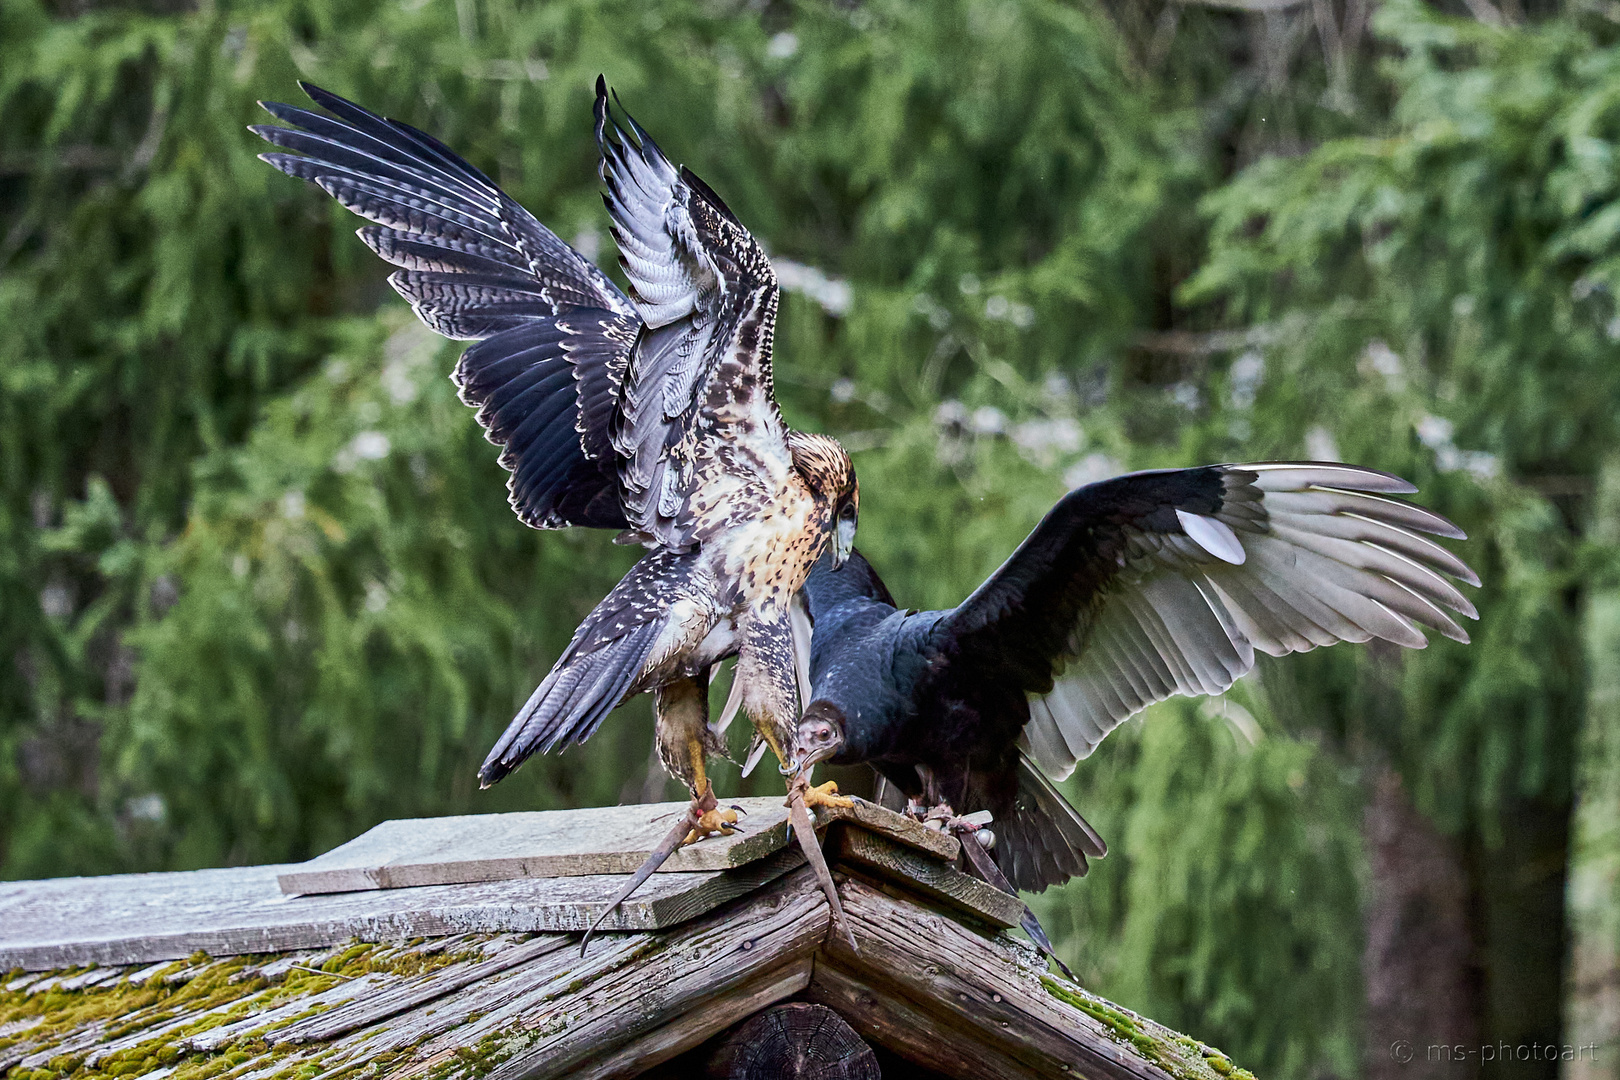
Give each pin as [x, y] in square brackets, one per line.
[651, 413]
[1129, 591]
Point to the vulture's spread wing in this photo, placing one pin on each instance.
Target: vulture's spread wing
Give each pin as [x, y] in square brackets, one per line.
[1160, 583]
[554, 333]
[700, 377]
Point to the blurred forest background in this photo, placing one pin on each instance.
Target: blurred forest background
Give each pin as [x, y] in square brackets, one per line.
[260, 589]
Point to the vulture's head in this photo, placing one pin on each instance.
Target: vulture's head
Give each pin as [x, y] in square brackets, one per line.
[821, 734]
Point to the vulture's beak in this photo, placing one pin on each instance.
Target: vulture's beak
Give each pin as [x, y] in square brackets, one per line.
[819, 740]
[813, 757]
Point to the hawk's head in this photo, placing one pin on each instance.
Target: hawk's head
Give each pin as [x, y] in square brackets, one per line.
[829, 474]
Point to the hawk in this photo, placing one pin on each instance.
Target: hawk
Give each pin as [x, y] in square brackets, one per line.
[1130, 591]
[651, 413]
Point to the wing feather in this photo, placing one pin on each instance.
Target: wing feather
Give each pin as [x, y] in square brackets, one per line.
[426, 197]
[554, 333]
[541, 389]
[701, 374]
[1165, 583]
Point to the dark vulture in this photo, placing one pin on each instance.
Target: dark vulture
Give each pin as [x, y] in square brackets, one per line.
[652, 414]
[1128, 592]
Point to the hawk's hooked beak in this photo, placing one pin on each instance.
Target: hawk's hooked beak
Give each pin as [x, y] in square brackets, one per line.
[843, 541]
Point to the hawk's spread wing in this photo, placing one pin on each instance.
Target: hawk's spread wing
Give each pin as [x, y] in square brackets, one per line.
[1160, 583]
[554, 333]
[475, 262]
[700, 375]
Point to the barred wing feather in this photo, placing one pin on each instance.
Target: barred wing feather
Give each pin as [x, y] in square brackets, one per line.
[553, 333]
[700, 375]
[474, 261]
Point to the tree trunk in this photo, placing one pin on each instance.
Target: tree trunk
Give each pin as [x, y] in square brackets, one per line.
[1422, 983]
[1592, 1009]
[794, 1041]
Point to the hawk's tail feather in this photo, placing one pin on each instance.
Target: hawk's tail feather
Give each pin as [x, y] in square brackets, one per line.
[572, 700]
[1046, 841]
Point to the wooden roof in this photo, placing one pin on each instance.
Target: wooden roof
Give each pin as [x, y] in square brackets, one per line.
[219, 973]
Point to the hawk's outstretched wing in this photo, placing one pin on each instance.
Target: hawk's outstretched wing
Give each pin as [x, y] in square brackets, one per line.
[475, 262]
[698, 389]
[1161, 583]
[554, 332]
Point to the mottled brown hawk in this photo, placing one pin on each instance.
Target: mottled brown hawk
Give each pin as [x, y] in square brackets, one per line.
[651, 413]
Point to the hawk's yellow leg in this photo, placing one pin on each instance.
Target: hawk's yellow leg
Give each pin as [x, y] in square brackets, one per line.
[712, 819]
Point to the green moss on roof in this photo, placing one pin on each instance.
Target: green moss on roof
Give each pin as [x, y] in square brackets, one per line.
[181, 1001]
[1176, 1054]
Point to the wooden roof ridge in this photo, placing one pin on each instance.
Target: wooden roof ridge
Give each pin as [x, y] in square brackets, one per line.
[932, 957]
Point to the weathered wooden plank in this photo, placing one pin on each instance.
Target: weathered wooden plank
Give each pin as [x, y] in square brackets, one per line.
[411, 993]
[974, 984]
[553, 992]
[333, 997]
[279, 964]
[570, 843]
[893, 1022]
[20, 1030]
[700, 1024]
[356, 1000]
[928, 876]
[995, 991]
[898, 827]
[140, 918]
[451, 1023]
[554, 1036]
[541, 843]
[154, 1019]
[923, 983]
[93, 977]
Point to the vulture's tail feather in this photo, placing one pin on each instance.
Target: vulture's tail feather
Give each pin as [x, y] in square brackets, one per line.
[1045, 842]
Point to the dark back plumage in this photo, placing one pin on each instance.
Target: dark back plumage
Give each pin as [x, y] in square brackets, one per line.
[858, 637]
[888, 677]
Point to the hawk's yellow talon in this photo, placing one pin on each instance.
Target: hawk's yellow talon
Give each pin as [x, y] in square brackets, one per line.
[826, 795]
[713, 822]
